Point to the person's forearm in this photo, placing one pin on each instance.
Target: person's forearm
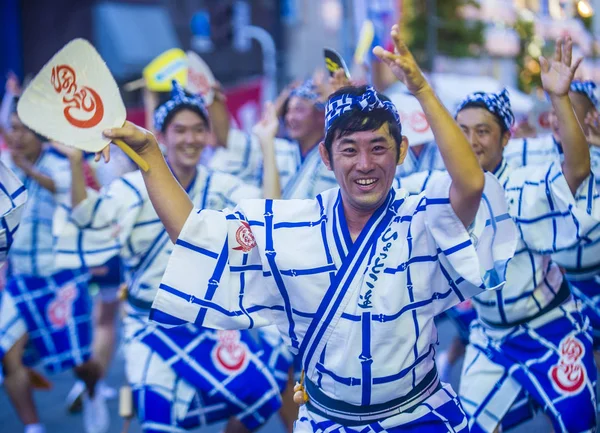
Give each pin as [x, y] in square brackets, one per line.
[271, 184]
[170, 201]
[78, 191]
[458, 156]
[467, 176]
[576, 165]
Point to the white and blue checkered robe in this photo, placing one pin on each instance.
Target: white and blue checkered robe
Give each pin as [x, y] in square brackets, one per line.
[429, 159]
[35, 284]
[522, 152]
[243, 158]
[120, 220]
[549, 219]
[292, 263]
[312, 178]
[31, 253]
[13, 196]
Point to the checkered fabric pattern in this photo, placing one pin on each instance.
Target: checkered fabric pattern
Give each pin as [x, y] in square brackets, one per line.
[57, 312]
[13, 196]
[550, 359]
[587, 88]
[221, 368]
[293, 264]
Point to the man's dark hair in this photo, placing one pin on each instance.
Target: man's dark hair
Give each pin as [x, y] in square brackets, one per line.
[356, 120]
[481, 104]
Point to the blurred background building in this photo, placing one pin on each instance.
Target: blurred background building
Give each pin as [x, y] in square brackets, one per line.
[255, 47]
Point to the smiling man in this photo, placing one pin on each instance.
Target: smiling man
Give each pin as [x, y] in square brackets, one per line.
[353, 278]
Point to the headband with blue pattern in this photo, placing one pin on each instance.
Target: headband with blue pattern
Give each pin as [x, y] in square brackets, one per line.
[308, 91]
[586, 88]
[496, 103]
[178, 99]
[368, 101]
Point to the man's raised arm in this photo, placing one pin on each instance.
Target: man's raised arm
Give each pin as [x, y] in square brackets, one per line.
[459, 159]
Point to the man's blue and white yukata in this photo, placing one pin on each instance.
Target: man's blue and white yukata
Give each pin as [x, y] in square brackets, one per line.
[243, 158]
[51, 305]
[13, 196]
[312, 178]
[300, 178]
[359, 313]
[531, 347]
[183, 377]
[582, 263]
[429, 159]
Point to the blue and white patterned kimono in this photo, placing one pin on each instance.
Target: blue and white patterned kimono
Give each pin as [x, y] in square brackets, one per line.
[582, 263]
[312, 178]
[243, 158]
[13, 196]
[183, 377]
[520, 152]
[429, 159]
[359, 313]
[531, 346]
[52, 305]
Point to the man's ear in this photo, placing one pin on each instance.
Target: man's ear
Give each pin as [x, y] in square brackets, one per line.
[403, 150]
[505, 138]
[160, 137]
[325, 156]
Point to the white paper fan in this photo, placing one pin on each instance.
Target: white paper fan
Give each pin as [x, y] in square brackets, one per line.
[200, 77]
[73, 99]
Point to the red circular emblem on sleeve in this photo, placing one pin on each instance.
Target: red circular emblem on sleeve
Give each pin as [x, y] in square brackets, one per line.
[568, 376]
[230, 355]
[244, 238]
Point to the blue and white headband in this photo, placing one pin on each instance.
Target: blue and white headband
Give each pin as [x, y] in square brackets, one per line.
[368, 101]
[178, 99]
[496, 103]
[586, 88]
[308, 91]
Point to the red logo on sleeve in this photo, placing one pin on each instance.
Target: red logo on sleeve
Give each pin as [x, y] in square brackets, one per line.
[230, 354]
[244, 238]
[60, 310]
[568, 375]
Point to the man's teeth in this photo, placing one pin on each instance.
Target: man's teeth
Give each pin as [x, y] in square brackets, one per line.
[190, 151]
[366, 181]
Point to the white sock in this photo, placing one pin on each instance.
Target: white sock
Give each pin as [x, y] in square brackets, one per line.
[35, 428]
